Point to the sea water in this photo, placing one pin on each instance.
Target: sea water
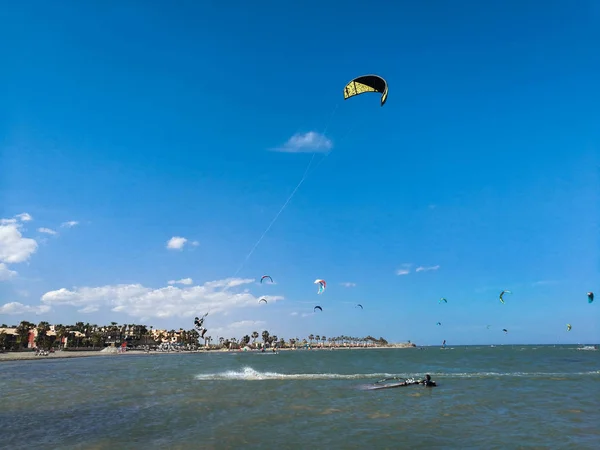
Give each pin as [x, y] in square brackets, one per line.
[500, 397]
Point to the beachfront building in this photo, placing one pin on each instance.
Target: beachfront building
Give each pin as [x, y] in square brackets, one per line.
[169, 336]
[11, 337]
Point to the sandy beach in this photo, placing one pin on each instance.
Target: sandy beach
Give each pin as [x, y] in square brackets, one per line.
[30, 355]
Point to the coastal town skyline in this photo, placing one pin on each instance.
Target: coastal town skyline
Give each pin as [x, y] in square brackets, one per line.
[46, 336]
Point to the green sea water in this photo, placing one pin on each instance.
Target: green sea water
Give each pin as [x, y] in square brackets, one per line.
[487, 398]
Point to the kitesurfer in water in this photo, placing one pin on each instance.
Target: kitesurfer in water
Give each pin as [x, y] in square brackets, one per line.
[427, 381]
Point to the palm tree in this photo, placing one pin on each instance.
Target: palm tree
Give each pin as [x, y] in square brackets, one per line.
[254, 337]
[23, 333]
[323, 339]
[42, 339]
[97, 339]
[4, 340]
[245, 340]
[272, 339]
[265, 337]
[310, 338]
[61, 332]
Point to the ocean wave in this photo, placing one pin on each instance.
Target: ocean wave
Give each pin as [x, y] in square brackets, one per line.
[249, 374]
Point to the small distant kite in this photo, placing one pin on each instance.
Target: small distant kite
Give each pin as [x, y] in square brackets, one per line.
[569, 327]
[488, 327]
[502, 295]
[443, 300]
[265, 277]
[439, 323]
[322, 285]
[317, 307]
[367, 83]
[361, 306]
[590, 297]
[505, 330]
[262, 300]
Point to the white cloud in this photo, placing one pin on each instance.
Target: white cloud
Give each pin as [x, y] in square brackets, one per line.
[195, 243]
[139, 301]
[239, 329]
[246, 323]
[306, 143]
[88, 309]
[186, 281]
[47, 231]
[14, 248]
[348, 284]
[176, 243]
[404, 269]
[6, 273]
[69, 224]
[24, 217]
[295, 313]
[425, 269]
[20, 308]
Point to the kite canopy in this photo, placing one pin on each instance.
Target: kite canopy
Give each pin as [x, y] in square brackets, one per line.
[367, 83]
[265, 277]
[590, 297]
[317, 307]
[322, 285]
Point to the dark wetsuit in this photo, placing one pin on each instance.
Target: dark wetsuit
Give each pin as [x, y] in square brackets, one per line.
[427, 382]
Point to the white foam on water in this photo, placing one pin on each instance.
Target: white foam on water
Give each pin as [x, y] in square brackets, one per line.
[249, 374]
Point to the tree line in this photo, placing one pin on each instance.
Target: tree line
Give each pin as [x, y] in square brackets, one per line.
[85, 335]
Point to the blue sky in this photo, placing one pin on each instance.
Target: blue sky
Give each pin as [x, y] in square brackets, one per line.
[143, 122]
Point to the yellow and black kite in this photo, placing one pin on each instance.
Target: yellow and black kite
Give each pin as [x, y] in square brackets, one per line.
[367, 83]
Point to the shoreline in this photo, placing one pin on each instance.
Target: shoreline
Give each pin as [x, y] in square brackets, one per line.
[30, 355]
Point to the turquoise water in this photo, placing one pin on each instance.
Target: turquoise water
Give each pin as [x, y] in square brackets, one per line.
[502, 397]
